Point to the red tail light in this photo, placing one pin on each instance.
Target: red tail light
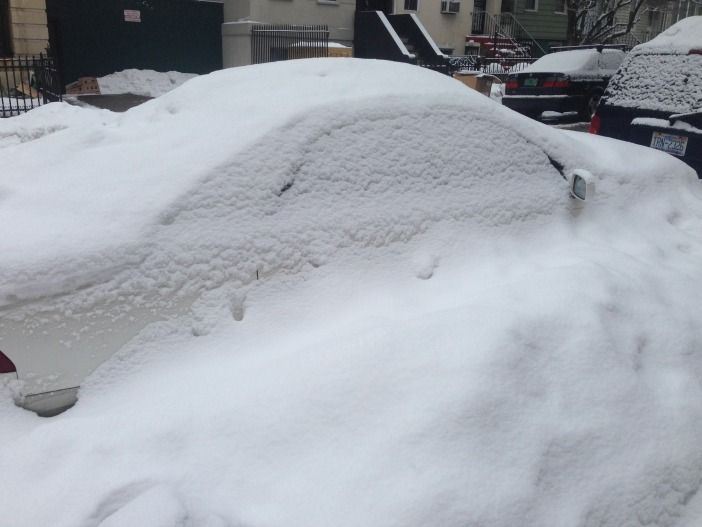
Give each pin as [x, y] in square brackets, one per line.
[556, 83]
[512, 84]
[595, 124]
[6, 365]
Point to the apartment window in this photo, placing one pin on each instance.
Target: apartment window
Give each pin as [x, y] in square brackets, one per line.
[5, 42]
[450, 6]
[531, 5]
[411, 5]
[561, 6]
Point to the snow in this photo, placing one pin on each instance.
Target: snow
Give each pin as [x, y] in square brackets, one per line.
[48, 119]
[660, 75]
[681, 37]
[149, 83]
[433, 339]
[577, 62]
[665, 123]
[494, 67]
[497, 91]
[670, 83]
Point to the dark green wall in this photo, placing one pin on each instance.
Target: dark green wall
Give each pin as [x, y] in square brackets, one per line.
[544, 24]
[91, 37]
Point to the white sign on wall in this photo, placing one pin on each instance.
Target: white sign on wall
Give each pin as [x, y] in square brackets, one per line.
[132, 15]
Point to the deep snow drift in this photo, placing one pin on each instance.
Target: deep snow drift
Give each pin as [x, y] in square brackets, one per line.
[436, 336]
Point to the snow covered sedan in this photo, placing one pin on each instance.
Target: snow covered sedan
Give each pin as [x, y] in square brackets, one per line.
[135, 225]
[564, 81]
[369, 302]
[655, 99]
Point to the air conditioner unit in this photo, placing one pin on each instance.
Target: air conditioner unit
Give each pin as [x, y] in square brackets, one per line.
[450, 6]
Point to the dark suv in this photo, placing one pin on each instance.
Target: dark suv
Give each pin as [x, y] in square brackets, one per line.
[566, 81]
[655, 99]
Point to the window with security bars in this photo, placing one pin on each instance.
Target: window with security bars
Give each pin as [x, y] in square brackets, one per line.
[411, 5]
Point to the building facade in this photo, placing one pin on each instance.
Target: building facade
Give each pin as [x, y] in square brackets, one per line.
[241, 15]
[450, 23]
[23, 27]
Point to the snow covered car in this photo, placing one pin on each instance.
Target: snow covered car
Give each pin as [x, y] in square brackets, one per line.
[564, 81]
[360, 297]
[655, 99]
[129, 224]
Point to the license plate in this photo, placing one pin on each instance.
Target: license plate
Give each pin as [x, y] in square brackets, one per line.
[530, 83]
[673, 144]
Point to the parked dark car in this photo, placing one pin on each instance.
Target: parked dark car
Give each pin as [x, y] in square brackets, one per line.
[565, 81]
[655, 99]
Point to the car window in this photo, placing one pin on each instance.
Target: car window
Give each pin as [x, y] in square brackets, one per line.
[663, 82]
[611, 59]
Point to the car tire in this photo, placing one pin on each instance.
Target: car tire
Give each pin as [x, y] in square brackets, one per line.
[588, 111]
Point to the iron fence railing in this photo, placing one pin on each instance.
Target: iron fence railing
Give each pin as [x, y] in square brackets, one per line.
[498, 66]
[270, 43]
[27, 82]
[508, 35]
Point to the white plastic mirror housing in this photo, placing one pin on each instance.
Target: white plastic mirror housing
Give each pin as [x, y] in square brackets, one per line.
[582, 184]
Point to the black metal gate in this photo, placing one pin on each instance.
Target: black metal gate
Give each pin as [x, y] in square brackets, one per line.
[27, 82]
[270, 43]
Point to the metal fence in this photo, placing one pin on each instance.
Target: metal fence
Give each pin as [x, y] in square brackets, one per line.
[270, 43]
[27, 82]
[498, 66]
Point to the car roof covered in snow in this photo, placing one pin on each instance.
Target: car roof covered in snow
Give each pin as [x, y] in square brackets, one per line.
[681, 37]
[570, 61]
[90, 200]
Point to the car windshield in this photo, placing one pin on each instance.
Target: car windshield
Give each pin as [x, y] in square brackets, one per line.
[664, 82]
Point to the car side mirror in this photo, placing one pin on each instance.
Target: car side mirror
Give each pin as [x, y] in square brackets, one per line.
[582, 184]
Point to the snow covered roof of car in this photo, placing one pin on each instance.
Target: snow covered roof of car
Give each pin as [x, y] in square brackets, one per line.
[574, 60]
[681, 37]
[90, 200]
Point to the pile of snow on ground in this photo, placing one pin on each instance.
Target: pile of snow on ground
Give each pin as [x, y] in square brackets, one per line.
[149, 83]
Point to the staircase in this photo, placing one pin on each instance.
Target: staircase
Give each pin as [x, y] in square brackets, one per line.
[399, 37]
[502, 36]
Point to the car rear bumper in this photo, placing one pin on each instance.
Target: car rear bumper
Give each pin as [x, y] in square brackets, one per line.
[643, 134]
[537, 104]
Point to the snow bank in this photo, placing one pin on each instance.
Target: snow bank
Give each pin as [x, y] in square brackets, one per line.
[46, 120]
[142, 82]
